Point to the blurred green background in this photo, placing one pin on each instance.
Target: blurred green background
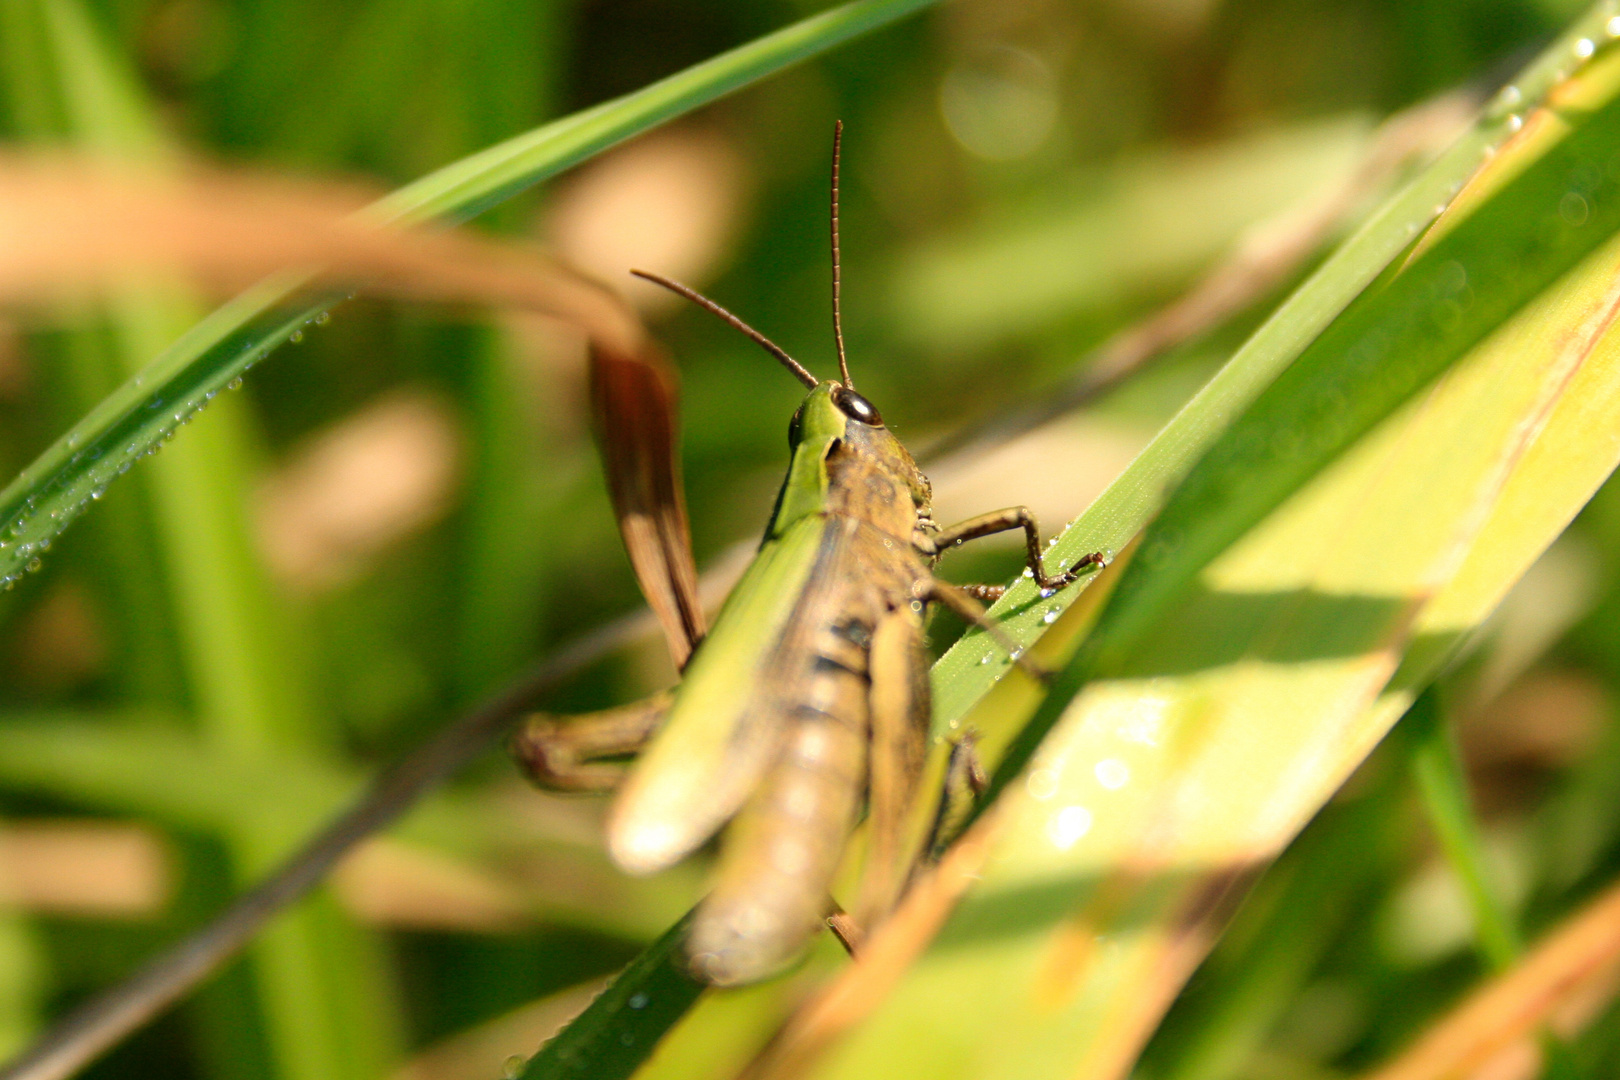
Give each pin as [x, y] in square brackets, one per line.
[402, 509]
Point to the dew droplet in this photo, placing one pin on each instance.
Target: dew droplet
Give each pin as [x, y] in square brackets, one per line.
[1612, 27]
[512, 1067]
[1510, 96]
[1042, 784]
[1051, 616]
[323, 318]
[1584, 48]
[1515, 122]
[638, 1000]
[1112, 773]
[1573, 209]
[34, 565]
[234, 384]
[1067, 826]
[296, 336]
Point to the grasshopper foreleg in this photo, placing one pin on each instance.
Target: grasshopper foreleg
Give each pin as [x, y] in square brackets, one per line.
[1016, 517]
[564, 753]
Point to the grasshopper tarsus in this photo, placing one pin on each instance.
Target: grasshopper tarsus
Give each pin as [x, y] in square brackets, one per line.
[965, 783]
[848, 932]
[566, 753]
[985, 594]
[1084, 566]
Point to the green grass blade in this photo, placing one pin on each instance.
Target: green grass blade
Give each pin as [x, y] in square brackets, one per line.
[975, 663]
[611, 1038]
[972, 667]
[1338, 542]
[1437, 767]
[324, 991]
[136, 419]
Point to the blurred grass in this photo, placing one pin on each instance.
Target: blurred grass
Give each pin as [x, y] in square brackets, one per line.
[967, 279]
[328, 1007]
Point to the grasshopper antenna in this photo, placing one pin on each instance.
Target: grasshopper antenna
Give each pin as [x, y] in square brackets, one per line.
[708, 305]
[838, 322]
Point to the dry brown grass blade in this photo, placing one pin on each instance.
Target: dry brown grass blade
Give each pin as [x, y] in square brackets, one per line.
[71, 226]
[635, 406]
[1562, 983]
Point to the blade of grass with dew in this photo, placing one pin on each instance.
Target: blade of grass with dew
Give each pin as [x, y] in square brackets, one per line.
[325, 993]
[1209, 730]
[220, 349]
[972, 667]
[975, 663]
[609, 1040]
[1230, 689]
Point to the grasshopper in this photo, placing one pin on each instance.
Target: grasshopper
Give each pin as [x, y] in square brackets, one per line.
[810, 692]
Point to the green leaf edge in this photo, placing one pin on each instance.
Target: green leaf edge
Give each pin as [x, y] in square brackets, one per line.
[137, 418]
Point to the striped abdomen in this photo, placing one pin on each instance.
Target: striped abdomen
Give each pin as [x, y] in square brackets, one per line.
[782, 850]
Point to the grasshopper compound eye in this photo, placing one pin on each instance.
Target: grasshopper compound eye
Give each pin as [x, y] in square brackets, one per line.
[856, 407]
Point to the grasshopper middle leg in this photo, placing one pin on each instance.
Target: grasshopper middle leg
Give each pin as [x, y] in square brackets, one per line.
[999, 521]
[565, 753]
[971, 611]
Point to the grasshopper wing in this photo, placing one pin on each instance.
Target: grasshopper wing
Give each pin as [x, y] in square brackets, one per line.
[727, 720]
[634, 402]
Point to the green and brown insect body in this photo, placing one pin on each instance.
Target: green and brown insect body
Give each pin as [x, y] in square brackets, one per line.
[776, 719]
[811, 691]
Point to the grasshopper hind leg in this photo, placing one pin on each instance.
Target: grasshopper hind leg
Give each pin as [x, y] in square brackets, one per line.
[570, 753]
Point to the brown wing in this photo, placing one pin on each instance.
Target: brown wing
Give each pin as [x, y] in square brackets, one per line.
[635, 401]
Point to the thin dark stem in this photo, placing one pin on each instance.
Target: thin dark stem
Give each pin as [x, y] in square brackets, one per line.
[99, 1024]
[838, 321]
[708, 305]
